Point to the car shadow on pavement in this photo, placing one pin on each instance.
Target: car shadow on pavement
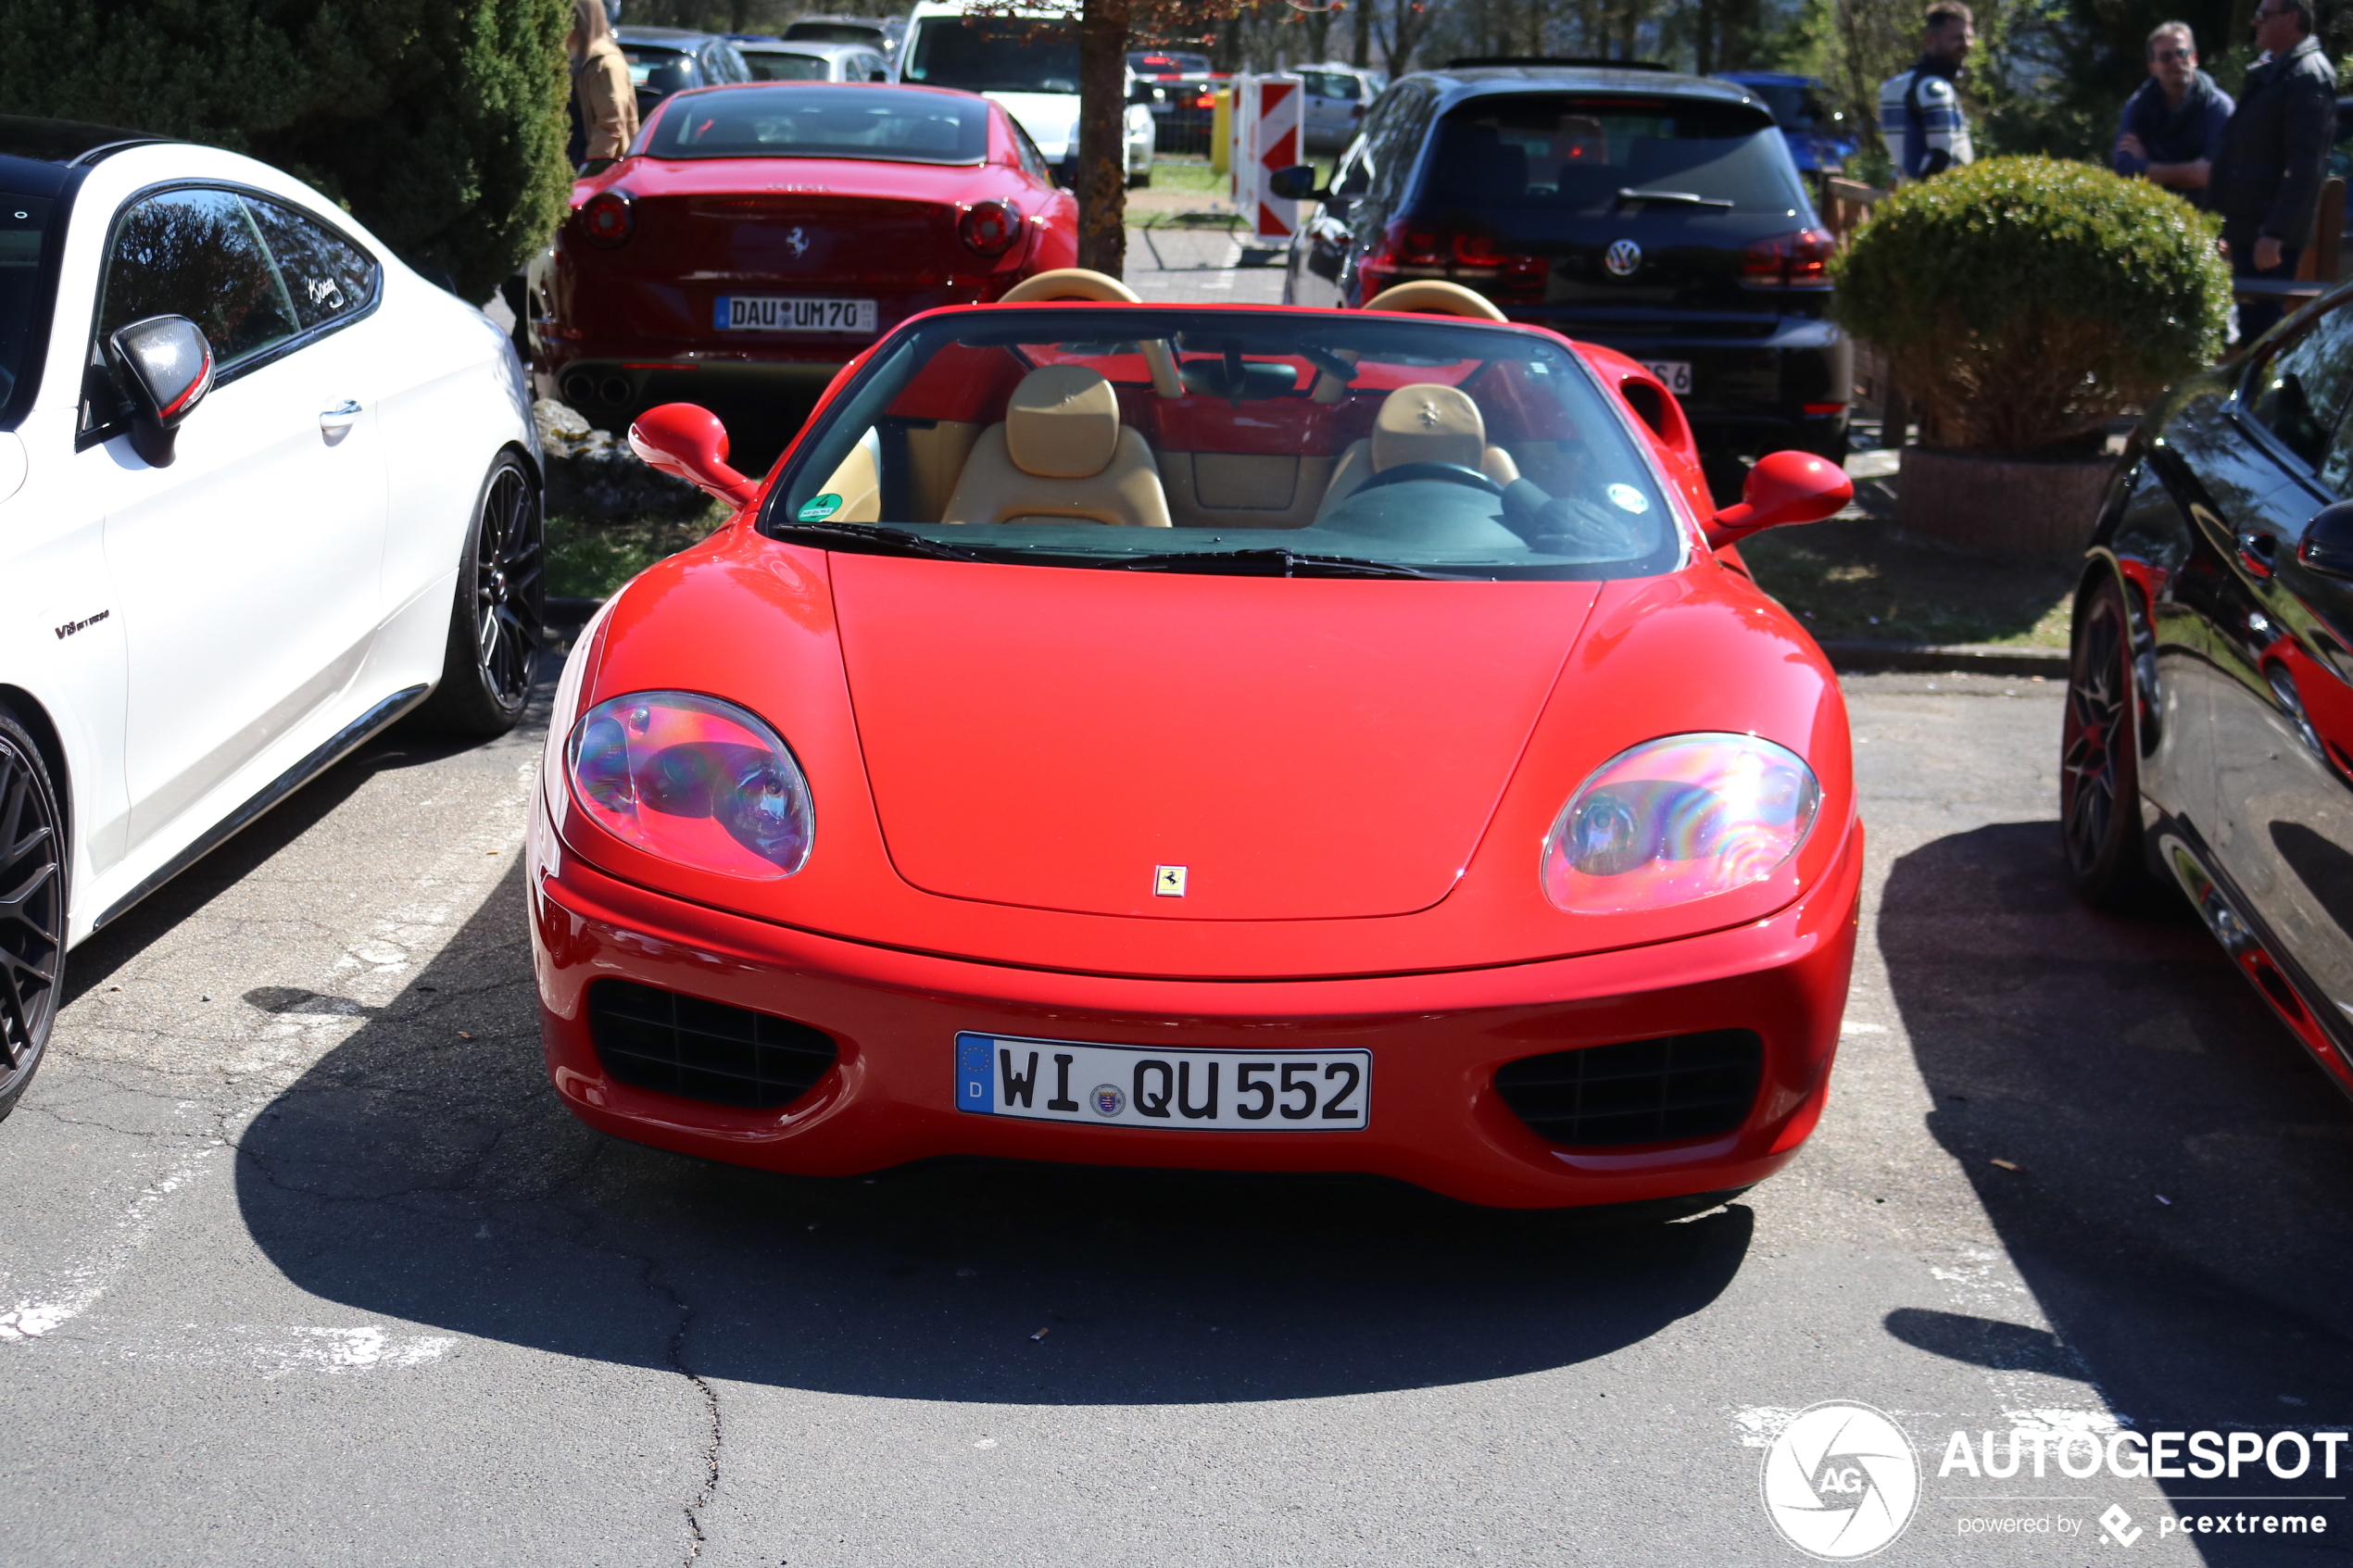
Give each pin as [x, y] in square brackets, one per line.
[2178, 1201]
[417, 1174]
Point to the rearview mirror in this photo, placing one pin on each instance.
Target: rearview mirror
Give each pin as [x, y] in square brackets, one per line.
[1296, 184]
[164, 365]
[1783, 488]
[2327, 544]
[687, 442]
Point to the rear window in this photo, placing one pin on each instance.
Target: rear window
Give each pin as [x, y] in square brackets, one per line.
[995, 54]
[831, 33]
[1596, 156]
[777, 65]
[823, 122]
[1265, 443]
[646, 58]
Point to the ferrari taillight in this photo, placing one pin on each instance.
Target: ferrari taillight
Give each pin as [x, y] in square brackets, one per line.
[988, 228]
[1790, 261]
[609, 216]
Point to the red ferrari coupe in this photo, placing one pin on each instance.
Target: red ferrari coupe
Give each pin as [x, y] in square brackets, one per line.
[1262, 739]
[759, 236]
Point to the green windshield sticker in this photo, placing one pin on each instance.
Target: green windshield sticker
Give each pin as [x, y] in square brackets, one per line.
[817, 509]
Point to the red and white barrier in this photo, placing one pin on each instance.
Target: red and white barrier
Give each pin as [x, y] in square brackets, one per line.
[1265, 137]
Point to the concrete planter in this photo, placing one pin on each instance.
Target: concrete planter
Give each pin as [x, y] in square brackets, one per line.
[2001, 505]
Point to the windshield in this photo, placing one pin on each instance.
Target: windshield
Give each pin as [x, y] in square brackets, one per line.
[1273, 443]
[1585, 157]
[1795, 105]
[996, 54]
[784, 65]
[24, 227]
[823, 122]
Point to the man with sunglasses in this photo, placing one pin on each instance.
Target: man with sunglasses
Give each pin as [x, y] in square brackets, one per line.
[2172, 126]
[2266, 180]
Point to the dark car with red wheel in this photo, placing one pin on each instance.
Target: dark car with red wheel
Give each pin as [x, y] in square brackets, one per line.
[758, 237]
[2209, 737]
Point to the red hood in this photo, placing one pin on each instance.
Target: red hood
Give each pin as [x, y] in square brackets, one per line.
[1049, 737]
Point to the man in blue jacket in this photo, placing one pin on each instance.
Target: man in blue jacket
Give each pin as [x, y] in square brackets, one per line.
[2267, 178]
[2172, 129]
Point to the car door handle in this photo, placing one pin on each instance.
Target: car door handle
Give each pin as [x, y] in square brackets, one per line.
[341, 417]
[2259, 552]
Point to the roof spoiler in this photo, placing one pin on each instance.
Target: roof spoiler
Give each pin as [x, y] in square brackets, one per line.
[1470, 62]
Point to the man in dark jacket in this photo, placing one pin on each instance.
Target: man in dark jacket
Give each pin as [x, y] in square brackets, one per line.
[2172, 129]
[2267, 181]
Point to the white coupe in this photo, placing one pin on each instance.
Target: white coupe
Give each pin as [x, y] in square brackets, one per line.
[263, 490]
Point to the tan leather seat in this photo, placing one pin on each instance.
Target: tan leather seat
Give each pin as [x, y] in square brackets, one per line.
[1421, 423]
[1060, 456]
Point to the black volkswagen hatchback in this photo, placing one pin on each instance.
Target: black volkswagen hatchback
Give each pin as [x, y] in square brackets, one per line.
[1657, 214]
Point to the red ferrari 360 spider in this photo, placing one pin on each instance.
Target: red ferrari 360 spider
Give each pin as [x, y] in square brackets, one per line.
[759, 236]
[1262, 739]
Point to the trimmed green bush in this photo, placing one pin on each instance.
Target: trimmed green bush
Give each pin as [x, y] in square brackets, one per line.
[2023, 302]
[440, 126]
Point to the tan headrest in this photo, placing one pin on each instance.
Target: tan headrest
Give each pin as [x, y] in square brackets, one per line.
[1424, 424]
[1062, 422]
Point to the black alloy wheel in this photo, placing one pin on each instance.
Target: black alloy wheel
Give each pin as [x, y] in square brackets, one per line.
[499, 620]
[32, 909]
[2099, 759]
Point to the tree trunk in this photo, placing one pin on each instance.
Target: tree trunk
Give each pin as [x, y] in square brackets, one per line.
[1103, 126]
[1362, 55]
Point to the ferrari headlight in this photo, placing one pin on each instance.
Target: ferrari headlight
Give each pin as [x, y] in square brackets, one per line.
[693, 780]
[1677, 819]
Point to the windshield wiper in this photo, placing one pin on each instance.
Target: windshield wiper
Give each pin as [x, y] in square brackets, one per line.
[860, 539]
[1265, 563]
[1677, 198]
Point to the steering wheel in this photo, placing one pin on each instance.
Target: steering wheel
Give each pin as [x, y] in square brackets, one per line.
[1450, 474]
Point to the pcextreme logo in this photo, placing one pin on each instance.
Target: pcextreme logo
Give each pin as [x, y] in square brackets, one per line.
[1840, 1480]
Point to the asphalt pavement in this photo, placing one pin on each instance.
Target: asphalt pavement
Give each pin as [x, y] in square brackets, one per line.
[305, 1263]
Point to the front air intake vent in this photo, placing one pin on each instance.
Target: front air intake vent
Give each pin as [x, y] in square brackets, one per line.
[685, 1045]
[1644, 1091]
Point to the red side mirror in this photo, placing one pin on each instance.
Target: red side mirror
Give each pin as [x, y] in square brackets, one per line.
[690, 442]
[1783, 487]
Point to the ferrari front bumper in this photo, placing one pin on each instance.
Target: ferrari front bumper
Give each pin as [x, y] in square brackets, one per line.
[1436, 1041]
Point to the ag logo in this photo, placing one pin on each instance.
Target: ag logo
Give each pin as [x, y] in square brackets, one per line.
[1624, 258]
[1840, 1480]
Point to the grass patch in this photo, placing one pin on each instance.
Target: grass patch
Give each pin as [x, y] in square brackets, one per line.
[1187, 174]
[591, 559]
[1856, 577]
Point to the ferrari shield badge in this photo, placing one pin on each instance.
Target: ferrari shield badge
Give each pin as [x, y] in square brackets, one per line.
[1168, 882]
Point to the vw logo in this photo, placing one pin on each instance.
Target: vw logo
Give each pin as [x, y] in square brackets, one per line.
[1624, 258]
[799, 242]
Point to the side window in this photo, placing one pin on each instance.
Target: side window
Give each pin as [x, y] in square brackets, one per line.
[1355, 176]
[1032, 160]
[2300, 392]
[328, 278]
[197, 254]
[1400, 143]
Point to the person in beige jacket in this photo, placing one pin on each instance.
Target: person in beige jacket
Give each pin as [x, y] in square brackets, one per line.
[601, 93]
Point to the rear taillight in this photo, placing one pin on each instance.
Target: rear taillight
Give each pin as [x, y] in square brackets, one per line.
[1473, 258]
[1789, 261]
[609, 216]
[988, 228]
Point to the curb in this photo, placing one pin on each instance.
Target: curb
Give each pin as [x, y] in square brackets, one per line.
[1859, 656]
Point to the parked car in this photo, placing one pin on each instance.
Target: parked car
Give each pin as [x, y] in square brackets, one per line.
[774, 60]
[1820, 140]
[263, 490]
[2209, 728]
[1179, 91]
[1656, 213]
[758, 237]
[1118, 733]
[1334, 98]
[1028, 60]
[663, 60]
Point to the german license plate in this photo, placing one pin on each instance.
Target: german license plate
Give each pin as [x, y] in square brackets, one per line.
[794, 313]
[1147, 1086]
[1675, 373]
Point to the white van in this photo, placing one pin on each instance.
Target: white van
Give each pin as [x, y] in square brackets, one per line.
[1027, 61]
